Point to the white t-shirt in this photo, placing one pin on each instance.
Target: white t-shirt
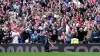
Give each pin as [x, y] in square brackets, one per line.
[15, 36]
[67, 29]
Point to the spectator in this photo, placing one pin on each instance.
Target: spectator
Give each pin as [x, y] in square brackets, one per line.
[7, 36]
[43, 37]
[25, 35]
[54, 36]
[62, 37]
[35, 37]
[1, 20]
[15, 36]
[59, 20]
[81, 34]
[69, 37]
[1, 34]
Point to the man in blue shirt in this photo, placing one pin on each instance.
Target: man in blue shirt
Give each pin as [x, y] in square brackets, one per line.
[34, 37]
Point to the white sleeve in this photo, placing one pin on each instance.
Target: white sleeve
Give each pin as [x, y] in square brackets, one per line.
[12, 34]
[18, 34]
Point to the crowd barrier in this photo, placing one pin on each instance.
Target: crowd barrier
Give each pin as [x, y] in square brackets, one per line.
[55, 48]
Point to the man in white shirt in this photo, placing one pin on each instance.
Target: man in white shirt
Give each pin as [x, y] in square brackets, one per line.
[15, 36]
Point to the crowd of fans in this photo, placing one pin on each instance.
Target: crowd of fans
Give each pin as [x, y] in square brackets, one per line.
[36, 21]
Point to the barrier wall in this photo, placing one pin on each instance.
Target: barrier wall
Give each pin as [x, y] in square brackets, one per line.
[56, 48]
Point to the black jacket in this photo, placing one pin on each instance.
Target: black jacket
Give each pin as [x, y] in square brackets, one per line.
[1, 34]
[25, 35]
